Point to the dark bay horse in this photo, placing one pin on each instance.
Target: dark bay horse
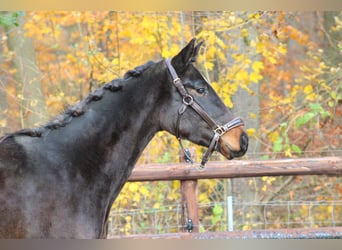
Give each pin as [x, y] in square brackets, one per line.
[61, 179]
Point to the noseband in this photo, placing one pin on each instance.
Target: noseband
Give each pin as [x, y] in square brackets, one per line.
[188, 100]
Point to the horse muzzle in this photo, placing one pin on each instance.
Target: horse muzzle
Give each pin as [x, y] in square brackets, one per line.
[233, 143]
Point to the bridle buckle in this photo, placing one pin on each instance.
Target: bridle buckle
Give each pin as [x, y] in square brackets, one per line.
[219, 130]
[188, 100]
[176, 80]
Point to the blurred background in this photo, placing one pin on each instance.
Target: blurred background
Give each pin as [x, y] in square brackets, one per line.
[280, 71]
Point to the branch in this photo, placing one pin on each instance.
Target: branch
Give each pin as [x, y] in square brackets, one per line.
[272, 195]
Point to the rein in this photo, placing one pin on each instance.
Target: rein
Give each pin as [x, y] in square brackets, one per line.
[188, 100]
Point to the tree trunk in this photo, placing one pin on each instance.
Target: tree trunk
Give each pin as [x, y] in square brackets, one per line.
[27, 76]
[332, 53]
[3, 101]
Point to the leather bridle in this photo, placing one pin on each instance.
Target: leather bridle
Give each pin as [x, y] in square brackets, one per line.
[188, 100]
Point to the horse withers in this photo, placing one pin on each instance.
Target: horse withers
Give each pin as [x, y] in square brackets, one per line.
[61, 179]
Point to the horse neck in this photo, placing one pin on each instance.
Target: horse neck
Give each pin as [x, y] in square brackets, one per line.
[135, 123]
[111, 135]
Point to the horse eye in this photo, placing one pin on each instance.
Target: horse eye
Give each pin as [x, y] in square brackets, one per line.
[201, 91]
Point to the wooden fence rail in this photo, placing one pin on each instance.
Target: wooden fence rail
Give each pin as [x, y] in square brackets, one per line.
[189, 174]
[238, 168]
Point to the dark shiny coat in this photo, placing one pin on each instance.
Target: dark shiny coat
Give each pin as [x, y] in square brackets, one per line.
[60, 180]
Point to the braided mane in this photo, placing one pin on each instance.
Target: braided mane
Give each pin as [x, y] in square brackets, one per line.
[80, 108]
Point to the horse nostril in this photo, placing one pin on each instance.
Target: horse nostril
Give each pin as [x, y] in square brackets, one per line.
[244, 142]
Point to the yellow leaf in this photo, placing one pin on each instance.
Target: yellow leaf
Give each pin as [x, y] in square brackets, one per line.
[175, 185]
[228, 102]
[203, 198]
[282, 49]
[311, 97]
[251, 131]
[260, 47]
[288, 152]
[128, 218]
[252, 115]
[257, 66]
[209, 65]
[221, 43]
[71, 58]
[272, 60]
[3, 122]
[308, 89]
[136, 197]
[143, 190]
[242, 76]
[244, 32]
[133, 187]
[255, 77]
[273, 136]
[270, 180]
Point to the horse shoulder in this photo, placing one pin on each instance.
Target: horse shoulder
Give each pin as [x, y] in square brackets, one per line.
[12, 155]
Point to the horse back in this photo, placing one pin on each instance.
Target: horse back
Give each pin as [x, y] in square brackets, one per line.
[39, 190]
[24, 192]
[12, 164]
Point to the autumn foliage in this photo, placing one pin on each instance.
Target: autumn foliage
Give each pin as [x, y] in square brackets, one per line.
[287, 64]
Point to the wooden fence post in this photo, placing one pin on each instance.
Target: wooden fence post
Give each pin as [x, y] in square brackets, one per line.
[189, 202]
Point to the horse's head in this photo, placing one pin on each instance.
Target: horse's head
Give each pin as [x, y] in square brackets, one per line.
[195, 111]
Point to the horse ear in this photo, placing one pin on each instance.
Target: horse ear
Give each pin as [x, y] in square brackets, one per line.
[195, 53]
[186, 55]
